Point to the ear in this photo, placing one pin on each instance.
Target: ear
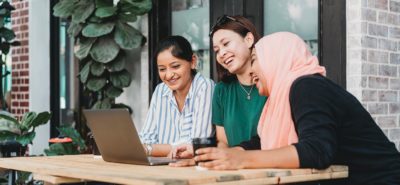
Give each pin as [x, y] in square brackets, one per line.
[194, 62]
[249, 39]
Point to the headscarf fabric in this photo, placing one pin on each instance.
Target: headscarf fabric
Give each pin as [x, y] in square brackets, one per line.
[283, 57]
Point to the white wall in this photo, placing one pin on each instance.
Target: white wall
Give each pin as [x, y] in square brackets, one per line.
[39, 68]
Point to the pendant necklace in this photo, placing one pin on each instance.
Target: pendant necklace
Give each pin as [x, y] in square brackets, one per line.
[247, 93]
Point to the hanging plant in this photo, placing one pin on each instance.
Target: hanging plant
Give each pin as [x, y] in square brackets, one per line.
[102, 36]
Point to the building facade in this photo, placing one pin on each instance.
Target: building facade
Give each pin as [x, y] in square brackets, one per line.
[358, 41]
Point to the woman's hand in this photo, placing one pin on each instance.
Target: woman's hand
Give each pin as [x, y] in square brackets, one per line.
[183, 163]
[183, 151]
[221, 158]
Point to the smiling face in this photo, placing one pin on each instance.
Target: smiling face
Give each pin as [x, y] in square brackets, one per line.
[232, 51]
[175, 72]
[257, 75]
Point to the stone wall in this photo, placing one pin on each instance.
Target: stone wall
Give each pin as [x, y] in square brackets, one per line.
[373, 60]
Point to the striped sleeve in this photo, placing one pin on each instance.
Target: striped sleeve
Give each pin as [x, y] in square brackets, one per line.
[149, 133]
[202, 110]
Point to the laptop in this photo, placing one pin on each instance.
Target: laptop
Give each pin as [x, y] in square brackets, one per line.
[117, 139]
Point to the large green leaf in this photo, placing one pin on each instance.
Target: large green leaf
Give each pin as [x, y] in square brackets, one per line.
[117, 65]
[26, 138]
[102, 104]
[120, 79]
[85, 44]
[104, 50]
[97, 68]
[127, 37]
[138, 7]
[113, 92]
[74, 29]
[97, 29]
[64, 8]
[26, 121]
[41, 118]
[105, 12]
[6, 5]
[95, 84]
[74, 135]
[104, 3]
[5, 48]
[94, 19]
[127, 17]
[84, 9]
[84, 73]
[7, 34]
[8, 117]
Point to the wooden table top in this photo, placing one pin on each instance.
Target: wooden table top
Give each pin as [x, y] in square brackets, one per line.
[73, 168]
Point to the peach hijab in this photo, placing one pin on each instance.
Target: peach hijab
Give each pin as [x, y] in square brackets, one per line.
[283, 57]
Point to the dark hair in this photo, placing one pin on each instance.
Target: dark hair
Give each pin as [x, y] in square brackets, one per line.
[239, 25]
[180, 48]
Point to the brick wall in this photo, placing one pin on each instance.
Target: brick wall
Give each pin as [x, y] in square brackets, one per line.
[373, 60]
[20, 59]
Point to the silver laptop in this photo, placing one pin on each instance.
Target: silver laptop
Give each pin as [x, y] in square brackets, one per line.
[117, 138]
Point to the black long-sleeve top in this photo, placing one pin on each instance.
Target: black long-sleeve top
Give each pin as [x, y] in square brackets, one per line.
[334, 128]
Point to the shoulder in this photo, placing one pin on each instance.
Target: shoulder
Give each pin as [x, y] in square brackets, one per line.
[201, 83]
[312, 84]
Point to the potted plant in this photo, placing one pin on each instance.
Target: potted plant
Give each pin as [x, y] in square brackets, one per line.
[22, 132]
[102, 36]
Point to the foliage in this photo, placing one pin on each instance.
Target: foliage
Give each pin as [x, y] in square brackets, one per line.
[102, 34]
[7, 35]
[76, 147]
[24, 131]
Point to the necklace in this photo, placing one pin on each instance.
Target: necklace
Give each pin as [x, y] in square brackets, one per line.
[249, 92]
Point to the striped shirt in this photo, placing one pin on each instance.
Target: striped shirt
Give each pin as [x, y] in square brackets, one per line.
[165, 124]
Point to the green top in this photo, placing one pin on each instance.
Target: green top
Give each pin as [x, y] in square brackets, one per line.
[232, 110]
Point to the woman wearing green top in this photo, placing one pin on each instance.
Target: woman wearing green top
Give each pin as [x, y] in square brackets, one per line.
[236, 104]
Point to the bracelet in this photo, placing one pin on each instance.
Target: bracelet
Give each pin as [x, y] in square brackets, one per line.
[149, 149]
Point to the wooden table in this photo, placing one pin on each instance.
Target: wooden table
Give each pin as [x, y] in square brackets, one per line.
[79, 168]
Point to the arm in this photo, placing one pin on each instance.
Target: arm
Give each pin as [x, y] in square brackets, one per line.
[252, 144]
[316, 107]
[202, 126]
[149, 133]
[235, 158]
[222, 141]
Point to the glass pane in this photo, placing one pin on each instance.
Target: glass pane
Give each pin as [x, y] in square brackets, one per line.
[66, 76]
[296, 16]
[191, 19]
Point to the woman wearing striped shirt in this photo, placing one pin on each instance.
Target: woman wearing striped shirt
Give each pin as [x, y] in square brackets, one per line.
[180, 108]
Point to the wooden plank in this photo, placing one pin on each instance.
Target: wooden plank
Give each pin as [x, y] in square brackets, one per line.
[268, 180]
[55, 179]
[312, 177]
[87, 167]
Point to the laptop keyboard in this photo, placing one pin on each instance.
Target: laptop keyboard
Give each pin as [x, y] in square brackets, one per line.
[158, 160]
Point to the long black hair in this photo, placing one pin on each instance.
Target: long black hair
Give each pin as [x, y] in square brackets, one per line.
[180, 48]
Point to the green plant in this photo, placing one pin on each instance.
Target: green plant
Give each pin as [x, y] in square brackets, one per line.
[77, 145]
[102, 34]
[24, 131]
[7, 37]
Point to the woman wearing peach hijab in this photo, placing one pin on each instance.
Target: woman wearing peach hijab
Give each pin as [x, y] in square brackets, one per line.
[308, 121]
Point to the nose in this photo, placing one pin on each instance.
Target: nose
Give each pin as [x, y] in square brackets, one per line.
[169, 74]
[222, 52]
